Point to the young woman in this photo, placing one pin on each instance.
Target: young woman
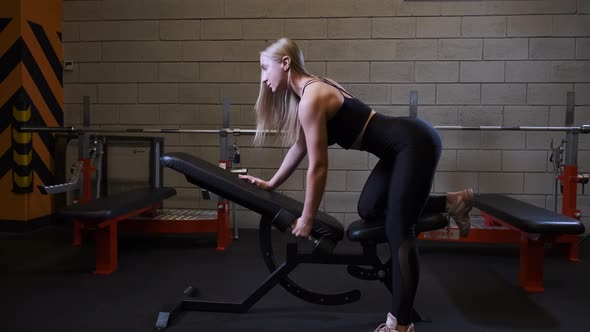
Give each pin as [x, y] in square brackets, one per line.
[313, 113]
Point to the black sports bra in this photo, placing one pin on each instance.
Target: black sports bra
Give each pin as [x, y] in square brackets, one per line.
[349, 120]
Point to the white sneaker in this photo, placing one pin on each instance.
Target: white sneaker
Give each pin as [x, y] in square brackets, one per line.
[389, 326]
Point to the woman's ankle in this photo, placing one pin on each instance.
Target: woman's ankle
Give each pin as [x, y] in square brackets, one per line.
[405, 328]
[451, 199]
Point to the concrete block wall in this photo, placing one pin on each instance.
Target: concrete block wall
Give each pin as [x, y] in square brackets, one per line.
[168, 63]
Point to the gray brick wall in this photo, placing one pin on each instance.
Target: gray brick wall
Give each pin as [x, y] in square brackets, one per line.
[168, 63]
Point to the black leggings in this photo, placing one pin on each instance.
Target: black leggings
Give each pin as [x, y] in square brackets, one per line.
[397, 190]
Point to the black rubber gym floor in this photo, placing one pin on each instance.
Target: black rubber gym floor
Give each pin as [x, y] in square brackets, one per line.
[47, 285]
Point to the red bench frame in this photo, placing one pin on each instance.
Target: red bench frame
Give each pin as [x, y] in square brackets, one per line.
[106, 231]
[532, 247]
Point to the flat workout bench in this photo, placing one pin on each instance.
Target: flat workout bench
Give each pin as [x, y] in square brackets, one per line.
[526, 217]
[103, 215]
[537, 226]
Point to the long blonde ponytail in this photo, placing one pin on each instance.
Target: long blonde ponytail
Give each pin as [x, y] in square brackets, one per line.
[278, 111]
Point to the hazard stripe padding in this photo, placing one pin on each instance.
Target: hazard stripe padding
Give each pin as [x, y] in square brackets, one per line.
[4, 22]
[22, 149]
[39, 104]
[37, 54]
[48, 50]
[5, 121]
[36, 121]
[42, 171]
[37, 165]
[11, 58]
[49, 142]
[21, 114]
[22, 154]
[21, 170]
[42, 85]
[10, 86]
[23, 182]
[5, 141]
[47, 138]
[46, 156]
[5, 163]
[22, 159]
[21, 138]
[25, 162]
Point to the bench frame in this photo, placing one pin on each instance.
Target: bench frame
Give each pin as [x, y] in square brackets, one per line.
[365, 265]
[106, 231]
[532, 254]
[532, 247]
[219, 224]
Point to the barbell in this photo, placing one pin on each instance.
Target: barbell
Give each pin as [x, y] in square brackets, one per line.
[583, 129]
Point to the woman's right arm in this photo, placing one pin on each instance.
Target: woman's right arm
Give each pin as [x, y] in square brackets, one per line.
[293, 158]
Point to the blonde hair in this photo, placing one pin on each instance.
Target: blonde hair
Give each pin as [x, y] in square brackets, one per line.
[278, 111]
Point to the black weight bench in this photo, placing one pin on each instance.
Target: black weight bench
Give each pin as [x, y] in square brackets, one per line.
[532, 225]
[103, 216]
[366, 265]
[537, 226]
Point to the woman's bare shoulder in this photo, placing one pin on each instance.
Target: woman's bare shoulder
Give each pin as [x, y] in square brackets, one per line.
[334, 82]
[321, 91]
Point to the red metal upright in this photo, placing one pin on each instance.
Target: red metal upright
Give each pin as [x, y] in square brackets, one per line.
[85, 196]
[570, 180]
[532, 256]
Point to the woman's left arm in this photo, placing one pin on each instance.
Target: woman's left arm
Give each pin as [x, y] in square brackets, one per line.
[313, 123]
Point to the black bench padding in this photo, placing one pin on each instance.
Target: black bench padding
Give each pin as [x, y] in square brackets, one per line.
[362, 230]
[117, 204]
[225, 184]
[527, 217]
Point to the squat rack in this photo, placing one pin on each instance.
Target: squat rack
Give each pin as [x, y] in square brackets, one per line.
[92, 144]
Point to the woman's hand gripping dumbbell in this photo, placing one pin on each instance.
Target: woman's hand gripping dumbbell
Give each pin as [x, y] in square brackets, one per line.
[285, 220]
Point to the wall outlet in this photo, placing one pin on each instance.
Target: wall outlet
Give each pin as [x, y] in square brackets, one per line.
[68, 65]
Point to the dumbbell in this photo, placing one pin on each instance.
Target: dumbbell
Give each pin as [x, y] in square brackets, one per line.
[284, 220]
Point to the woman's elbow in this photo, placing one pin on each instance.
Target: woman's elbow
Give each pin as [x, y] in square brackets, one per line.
[301, 146]
[320, 168]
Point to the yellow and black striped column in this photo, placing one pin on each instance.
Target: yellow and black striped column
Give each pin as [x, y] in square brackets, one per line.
[31, 92]
[22, 147]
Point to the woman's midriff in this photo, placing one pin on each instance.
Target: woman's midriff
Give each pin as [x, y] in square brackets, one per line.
[359, 139]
